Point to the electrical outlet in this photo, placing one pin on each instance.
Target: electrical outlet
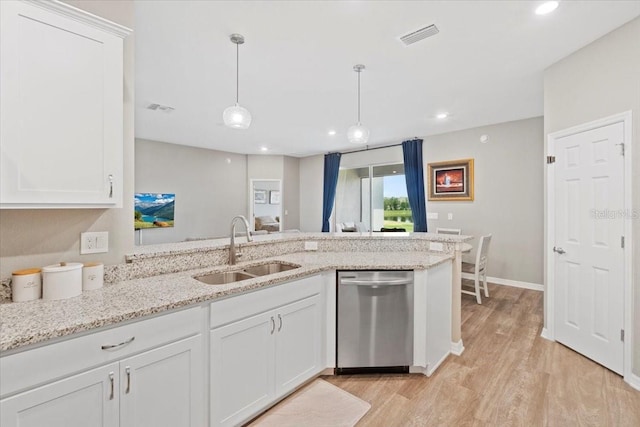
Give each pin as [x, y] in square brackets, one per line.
[450, 216]
[436, 246]
[310, 246]
[95, 242]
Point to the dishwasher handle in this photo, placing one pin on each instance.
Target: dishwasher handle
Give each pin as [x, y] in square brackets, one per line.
[377, 283]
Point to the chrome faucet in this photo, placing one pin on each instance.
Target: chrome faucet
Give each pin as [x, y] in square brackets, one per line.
[232, 247]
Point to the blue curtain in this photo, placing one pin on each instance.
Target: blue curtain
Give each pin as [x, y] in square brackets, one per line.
[331, 169]
[414, 175]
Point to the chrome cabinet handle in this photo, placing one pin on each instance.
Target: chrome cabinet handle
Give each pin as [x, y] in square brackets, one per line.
[110, 186]
[280, 326]
[111, 381]
[273, 325]
[559, 250]
[128, 371]
[115, 346]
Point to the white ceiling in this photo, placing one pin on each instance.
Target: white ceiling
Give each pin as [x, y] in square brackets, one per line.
[296, 78]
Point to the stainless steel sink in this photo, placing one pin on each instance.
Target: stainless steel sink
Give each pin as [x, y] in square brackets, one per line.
[272, 268]
[224, 277]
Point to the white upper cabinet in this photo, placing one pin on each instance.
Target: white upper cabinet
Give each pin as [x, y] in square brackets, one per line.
[61, 107]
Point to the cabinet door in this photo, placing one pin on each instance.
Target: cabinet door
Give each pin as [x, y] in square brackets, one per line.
[241, 369]
[61, 110]
[298, 343]
[164, 387]
[87, 399]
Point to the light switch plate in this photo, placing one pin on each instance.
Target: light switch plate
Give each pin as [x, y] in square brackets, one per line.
[310, 246]
[432, 215]
[450, 216]
[94, 242]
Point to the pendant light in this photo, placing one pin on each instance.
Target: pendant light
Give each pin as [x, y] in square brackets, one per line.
[358, 134]
[237, 117]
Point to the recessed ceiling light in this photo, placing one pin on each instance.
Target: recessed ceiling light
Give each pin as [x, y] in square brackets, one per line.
[264, 149]
[332, 132]
[442, 115]
[394, 171]
[547, 7]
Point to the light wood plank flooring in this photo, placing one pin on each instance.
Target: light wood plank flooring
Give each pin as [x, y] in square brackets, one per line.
[507, 376]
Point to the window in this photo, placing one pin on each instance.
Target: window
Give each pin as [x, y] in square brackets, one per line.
[372, 198]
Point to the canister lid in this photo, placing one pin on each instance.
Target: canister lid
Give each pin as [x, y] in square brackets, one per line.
[63, 266]
[26, 271]
[92, 264]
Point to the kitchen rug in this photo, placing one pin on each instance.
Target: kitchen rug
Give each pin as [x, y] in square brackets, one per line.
[319, 404]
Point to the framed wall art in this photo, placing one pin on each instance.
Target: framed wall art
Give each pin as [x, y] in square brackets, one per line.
[451, 180]
[274, 197]
[260, 196]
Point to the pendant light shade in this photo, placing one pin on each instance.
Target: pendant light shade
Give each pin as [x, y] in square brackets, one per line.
[358, 134]
[235, 116]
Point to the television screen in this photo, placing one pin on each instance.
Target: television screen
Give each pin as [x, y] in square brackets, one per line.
[154, 210]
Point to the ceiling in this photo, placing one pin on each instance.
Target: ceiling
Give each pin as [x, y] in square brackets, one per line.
[296, 68]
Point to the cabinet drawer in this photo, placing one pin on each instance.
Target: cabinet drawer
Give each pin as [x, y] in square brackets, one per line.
[40, 365]
[239, 307]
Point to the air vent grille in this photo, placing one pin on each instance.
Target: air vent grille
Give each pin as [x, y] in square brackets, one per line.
[420, 34]
[164, 108]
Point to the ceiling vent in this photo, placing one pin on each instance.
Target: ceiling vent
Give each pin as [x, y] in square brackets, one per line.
[159, 107]
[420, 34]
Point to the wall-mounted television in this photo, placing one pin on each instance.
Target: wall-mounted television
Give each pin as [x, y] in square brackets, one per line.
[154, 210]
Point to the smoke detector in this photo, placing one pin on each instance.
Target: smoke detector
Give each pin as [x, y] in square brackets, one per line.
[420, 34]
[159, 107]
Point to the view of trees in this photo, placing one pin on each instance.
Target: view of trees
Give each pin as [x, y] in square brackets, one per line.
[396, 203]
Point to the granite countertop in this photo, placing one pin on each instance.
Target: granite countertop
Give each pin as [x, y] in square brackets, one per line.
[37, 321]
[152, 251]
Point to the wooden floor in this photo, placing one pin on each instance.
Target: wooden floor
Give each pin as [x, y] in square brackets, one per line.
[507, 376]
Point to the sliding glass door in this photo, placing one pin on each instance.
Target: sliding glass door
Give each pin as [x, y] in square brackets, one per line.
[373, 198]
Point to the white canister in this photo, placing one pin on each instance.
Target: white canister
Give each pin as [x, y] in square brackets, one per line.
[26, 285]
[61, 281]
[92, 275]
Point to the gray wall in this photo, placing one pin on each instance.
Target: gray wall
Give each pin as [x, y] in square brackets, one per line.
[597, 81]
[508, 194]
[291, 194]
[30, 238]
[210, 188]
[311, 178]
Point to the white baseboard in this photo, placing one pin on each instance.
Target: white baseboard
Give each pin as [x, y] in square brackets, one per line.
[431, 369]
[633, 380]
[457, 348]
[546, 335]
[508, 282]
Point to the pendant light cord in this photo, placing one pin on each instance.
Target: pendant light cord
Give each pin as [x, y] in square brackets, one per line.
[237, 72]
[358, 97]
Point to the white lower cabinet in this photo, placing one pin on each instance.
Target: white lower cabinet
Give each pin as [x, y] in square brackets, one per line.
[258, 359]
[87, 399]
[163, 387]
[160, 387]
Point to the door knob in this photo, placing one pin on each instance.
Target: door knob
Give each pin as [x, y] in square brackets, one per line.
[559, 250]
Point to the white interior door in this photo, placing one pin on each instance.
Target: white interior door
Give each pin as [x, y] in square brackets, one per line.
[589, 255]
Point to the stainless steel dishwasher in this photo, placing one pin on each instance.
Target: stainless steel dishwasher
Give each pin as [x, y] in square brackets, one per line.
[375, 321]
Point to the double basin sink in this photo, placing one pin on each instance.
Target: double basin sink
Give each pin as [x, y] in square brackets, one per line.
[245, 273]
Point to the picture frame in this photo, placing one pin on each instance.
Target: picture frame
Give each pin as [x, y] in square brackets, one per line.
[154, 210]
[260, 197]
[451, 180]
[274, 197]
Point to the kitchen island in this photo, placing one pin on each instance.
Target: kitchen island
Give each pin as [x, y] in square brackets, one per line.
[154, 335]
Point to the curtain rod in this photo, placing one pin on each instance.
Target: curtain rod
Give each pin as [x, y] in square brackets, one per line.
[367, 148]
